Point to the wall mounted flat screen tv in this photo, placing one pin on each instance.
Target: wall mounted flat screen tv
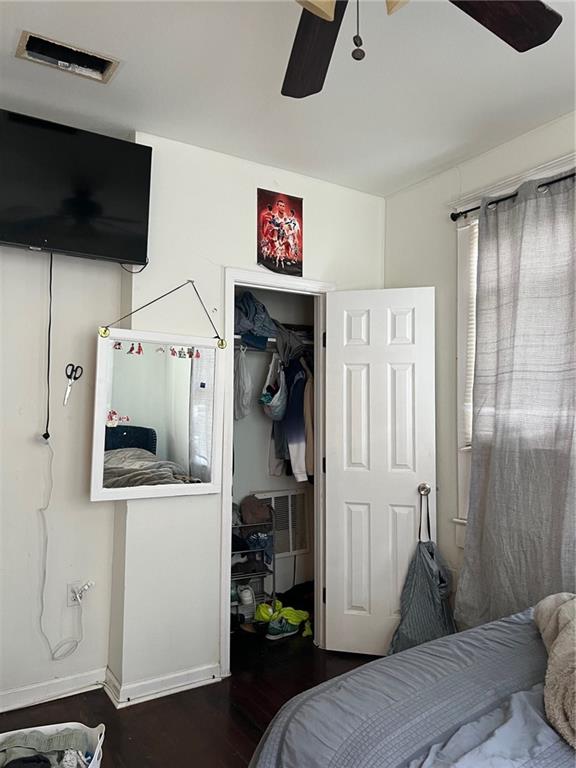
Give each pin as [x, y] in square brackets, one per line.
[71, 191]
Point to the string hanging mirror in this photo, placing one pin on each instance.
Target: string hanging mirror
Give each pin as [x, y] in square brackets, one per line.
[104, 330]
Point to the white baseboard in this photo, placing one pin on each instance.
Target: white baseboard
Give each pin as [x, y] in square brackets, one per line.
[121, 695]
[153, 688]
[57, 688]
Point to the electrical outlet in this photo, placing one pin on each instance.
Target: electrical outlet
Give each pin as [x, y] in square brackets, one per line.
[71, 589]
[75, 587]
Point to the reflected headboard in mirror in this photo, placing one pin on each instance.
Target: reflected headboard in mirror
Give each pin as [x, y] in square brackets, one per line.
[131, 437]
[157, 416]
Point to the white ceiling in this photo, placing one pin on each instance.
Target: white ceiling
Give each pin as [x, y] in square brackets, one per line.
[434, 88]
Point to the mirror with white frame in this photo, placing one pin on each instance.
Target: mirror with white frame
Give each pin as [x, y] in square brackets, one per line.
[157, 416]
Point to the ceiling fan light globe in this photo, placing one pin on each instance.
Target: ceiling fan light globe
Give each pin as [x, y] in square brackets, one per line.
[321, 8]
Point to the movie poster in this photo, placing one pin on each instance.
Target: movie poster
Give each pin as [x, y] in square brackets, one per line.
[280, 232]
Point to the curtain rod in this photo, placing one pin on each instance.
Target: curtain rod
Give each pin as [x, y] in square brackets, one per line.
[455, 215]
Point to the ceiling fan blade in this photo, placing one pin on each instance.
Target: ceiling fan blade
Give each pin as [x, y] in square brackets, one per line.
[311, 53]
[322, 8]
[523, 24]
[394, 5]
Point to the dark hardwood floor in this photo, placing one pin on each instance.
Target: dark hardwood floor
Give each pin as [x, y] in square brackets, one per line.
[216, 726]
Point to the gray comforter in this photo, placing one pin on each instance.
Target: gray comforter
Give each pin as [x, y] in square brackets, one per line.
[128, 467]
[468, 700]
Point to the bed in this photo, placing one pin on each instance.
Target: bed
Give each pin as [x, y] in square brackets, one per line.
[130, 460]
[468, 700]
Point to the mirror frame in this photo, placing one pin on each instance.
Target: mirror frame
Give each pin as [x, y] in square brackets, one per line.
[104, 368]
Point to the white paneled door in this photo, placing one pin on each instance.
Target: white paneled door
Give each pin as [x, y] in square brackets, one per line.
[380, 444]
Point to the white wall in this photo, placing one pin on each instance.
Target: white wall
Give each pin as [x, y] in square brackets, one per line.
[80, 532]
[421, 249]
[203, 218]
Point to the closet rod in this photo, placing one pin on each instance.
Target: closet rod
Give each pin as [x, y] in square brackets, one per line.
[455, 215]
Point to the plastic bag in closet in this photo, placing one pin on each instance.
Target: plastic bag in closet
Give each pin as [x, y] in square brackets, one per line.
[274, 397]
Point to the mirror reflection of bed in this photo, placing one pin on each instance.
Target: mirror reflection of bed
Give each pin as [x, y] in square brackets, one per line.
[159, 416]
[130, 460]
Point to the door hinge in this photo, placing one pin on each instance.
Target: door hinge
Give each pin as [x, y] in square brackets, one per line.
[324, 339]
[324, 464]
[324, 595]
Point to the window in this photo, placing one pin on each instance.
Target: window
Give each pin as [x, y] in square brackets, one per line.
[466, 344]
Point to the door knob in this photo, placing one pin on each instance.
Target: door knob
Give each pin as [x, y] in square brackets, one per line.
[424, 489]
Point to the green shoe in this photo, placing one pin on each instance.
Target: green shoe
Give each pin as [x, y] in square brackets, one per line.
[279, 628]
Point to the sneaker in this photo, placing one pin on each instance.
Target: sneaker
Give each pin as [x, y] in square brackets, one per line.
[279, 628]
[237, 559]
[246, 595]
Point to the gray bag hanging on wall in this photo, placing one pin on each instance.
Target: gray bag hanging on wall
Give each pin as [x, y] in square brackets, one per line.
[425, 612]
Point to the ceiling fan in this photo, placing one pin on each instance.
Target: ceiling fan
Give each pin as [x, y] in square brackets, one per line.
[523, 24]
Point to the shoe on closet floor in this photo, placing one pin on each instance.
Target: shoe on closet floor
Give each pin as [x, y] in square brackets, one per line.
[279, 628]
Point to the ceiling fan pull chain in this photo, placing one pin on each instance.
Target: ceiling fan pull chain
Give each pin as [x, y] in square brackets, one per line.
[358, 53]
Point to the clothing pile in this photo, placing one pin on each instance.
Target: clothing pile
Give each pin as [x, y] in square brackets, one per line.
[252, 321]
[288, 394]
[19, 757]
[555, 617]
[255, 326]
[292, 436]
[69, 748]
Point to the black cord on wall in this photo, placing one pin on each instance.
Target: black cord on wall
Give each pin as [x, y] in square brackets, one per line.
[46, 434]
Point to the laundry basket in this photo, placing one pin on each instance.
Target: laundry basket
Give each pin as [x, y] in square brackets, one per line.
[48, 738]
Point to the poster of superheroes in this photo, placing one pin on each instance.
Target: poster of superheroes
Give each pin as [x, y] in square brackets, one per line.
[280, 232]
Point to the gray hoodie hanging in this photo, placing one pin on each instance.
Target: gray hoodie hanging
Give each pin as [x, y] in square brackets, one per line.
[425, 613]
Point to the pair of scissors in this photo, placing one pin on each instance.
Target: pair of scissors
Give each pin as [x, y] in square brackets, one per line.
[73, 373]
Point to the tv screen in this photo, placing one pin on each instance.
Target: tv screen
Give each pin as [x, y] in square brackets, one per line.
[71, 191]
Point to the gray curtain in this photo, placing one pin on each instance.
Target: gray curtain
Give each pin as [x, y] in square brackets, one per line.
[520, 538]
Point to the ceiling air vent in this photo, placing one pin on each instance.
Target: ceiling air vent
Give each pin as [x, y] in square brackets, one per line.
[67, 58]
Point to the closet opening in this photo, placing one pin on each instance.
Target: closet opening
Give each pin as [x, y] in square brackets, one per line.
[276, 567]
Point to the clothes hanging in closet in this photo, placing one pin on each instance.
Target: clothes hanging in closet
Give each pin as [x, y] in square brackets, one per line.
[242, 385]
[293, 423]
[309, 422]
[292, 438]
[289, 384]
